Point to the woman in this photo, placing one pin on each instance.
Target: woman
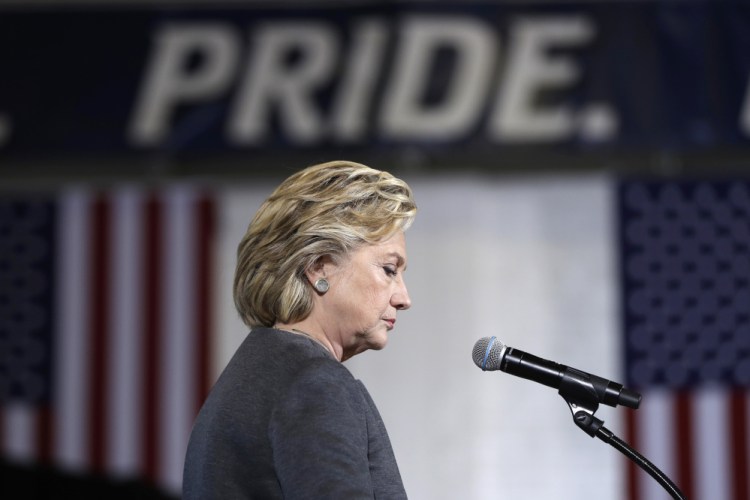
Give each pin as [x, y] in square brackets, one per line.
[319, 279]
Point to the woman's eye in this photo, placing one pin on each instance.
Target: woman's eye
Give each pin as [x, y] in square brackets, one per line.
[390, 270]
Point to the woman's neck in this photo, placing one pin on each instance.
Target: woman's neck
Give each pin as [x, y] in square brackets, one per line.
[306, 331]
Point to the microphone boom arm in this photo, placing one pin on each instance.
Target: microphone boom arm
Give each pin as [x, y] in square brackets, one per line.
[583, 409]
[608, 437]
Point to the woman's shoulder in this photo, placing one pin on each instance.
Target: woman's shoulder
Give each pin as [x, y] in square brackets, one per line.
[327, 382]
[326, 369]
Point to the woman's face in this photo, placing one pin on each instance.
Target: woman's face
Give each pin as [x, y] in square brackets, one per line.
[366, 291]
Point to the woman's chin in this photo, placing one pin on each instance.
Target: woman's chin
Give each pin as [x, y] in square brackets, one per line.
[378, 341]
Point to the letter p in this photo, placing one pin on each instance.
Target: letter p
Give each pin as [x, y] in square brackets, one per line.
[170, 81]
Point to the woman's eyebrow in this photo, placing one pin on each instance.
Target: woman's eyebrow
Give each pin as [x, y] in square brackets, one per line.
[399, 258]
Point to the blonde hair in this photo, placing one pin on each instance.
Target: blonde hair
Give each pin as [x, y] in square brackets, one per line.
[326, 209]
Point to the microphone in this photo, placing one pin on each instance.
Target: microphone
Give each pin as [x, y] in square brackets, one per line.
[491, 354]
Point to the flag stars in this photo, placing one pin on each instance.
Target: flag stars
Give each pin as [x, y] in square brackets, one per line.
[687, 281]
[24, 296]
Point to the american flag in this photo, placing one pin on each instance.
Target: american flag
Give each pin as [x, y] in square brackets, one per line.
[104, 332]
[685, 266]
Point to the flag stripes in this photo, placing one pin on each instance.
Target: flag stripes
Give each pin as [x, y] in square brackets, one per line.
[131, 336]
[716, 428]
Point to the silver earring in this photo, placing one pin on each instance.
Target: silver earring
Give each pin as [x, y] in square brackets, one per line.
[321, 285]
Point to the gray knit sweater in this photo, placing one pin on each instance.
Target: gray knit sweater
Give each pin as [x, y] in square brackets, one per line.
[287, 420]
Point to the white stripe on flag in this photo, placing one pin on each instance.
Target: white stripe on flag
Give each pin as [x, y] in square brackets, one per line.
[19, 431]
[711, 465]
[71, 391]
[126, 325]
[656, 441]
[177, 370]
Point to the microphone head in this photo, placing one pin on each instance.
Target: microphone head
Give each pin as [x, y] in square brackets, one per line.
[488, 353]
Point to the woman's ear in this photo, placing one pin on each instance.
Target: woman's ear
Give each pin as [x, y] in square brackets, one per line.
[320, 269]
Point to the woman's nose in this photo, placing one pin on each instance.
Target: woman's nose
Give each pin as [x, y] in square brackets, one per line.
[401, 300]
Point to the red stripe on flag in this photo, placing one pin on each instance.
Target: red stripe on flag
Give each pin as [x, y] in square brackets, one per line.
[44, 433]
[99, 315]
[204, 256]
[152, 327]
[684, 443]
[738, 444]
[632, 471]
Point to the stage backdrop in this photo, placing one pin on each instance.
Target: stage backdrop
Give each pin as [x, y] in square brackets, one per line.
[118, 316]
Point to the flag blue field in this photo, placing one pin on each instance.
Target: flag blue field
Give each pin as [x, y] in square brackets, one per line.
[27, 250]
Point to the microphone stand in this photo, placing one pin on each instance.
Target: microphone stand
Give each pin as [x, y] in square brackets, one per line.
[583, 406]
